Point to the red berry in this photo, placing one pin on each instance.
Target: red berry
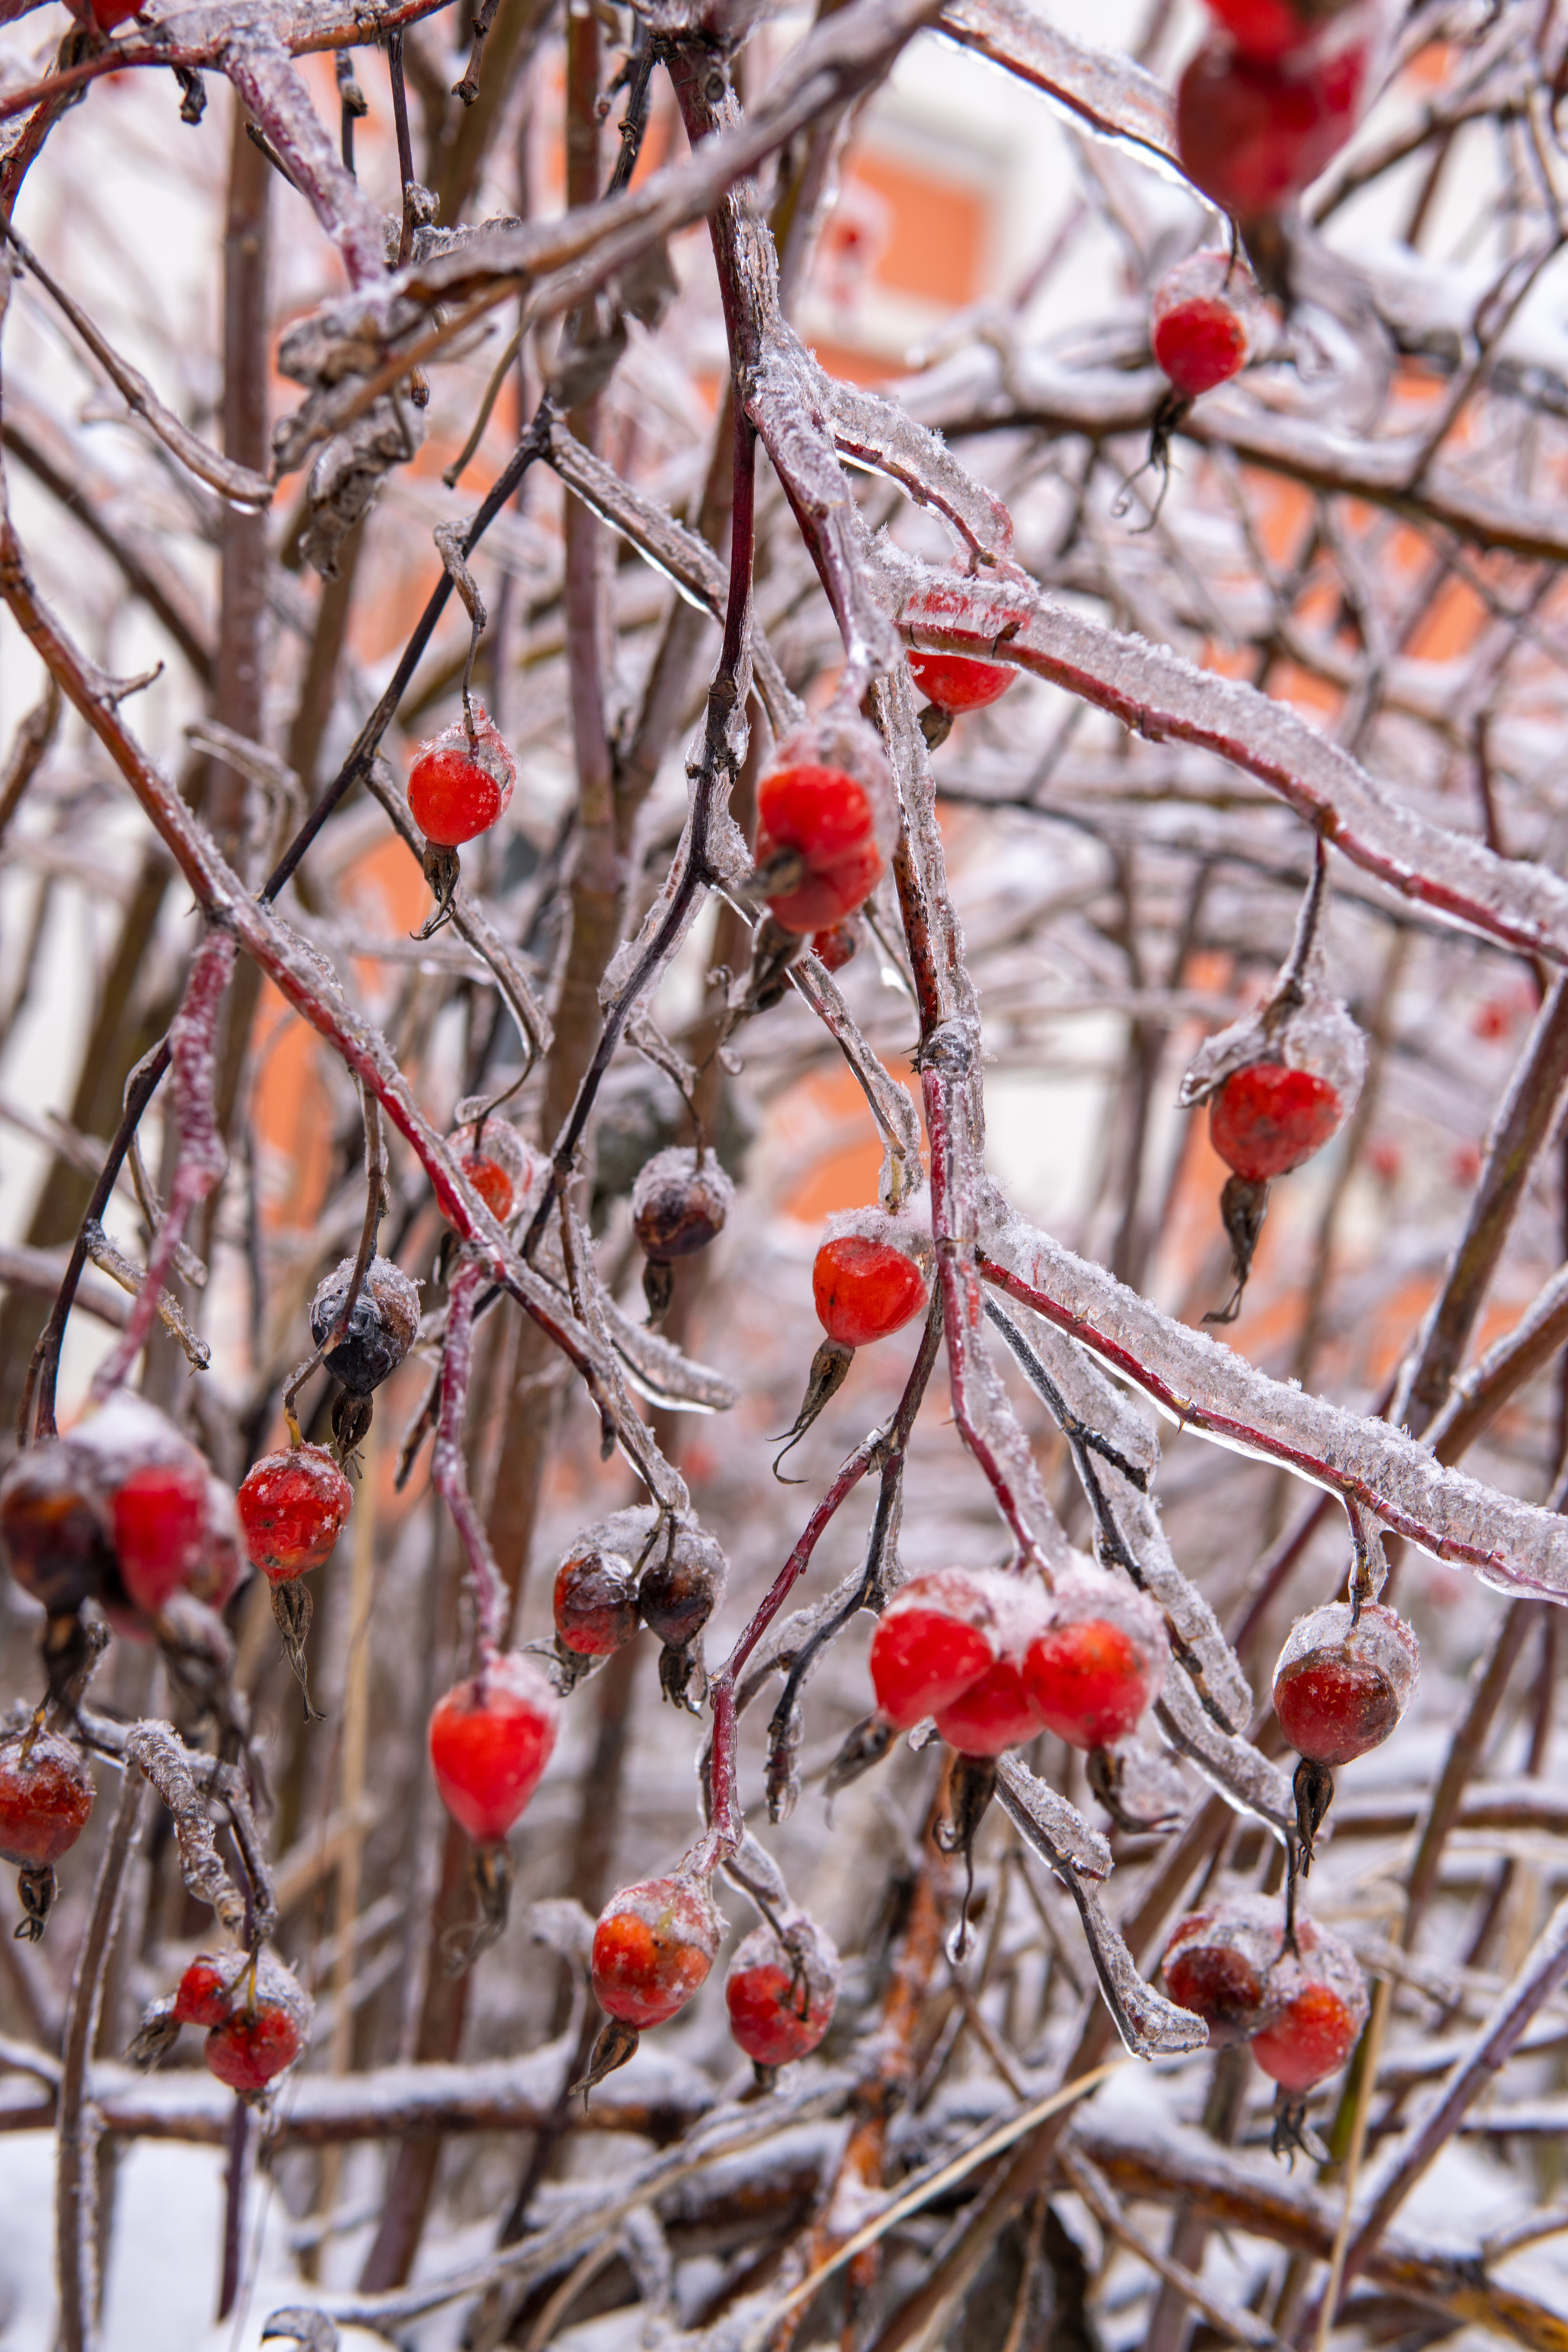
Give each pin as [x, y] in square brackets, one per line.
[1200, 322]
[1219, 1963]
[46, 1796]
[458, 786]
[490, 1739]
[683, 1584]
[995, 1712]
[1339, 1689]
[53, 1531]
[1266, 1118]
[264, 2031]
[679, 1202]
[828, 800]
[205, 1991]
[653, 1947]
[381, 1329]
[781, 1996]
[293, 1506]
[1099, 1661]
[108, 14]
[160, 1515]
[1253, 135]
[1319, 2007]
[954, 682]
[835, 948]
[490, 1182]
[595, 1602]
[937, 1634]
[867, 1286]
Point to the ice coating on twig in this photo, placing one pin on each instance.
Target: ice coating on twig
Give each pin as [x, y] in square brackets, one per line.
[1108, 94]
[1057, 1830]
[1241, 1773]
[890, 1104]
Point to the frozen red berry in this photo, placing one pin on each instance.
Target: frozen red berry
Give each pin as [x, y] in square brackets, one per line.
[1318, 2001]
[205, 1992]
[780, 1992]
[54, 1529]
[1267, 1118]
[265, 2029]
[1092, 1671]
[381, 1329]
[1252, 134]
[869, 1277]
[46, 1797]
[1343, 1684]
[1219, 1963]
[1200, 322]
[293, 1506]
[160, 1519]
[490, 1739]
[501, 1167]
[824, 821]
[653, 1949]
[839, 945]
[460, 784]
[596, 1601]
[937, 1634]
[108, 14]
[954, 682]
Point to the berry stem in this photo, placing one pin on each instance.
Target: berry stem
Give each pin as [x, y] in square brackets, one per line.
[448, 1469]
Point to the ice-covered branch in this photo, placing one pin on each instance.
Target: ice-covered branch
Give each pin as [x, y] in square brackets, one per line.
[1208, 1388]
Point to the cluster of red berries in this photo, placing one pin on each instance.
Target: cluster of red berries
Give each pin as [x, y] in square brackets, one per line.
[871, 1277]
[997, 1659]
[1203, 321]
[654, 1947]
[123, 1511]
[825, 824]
[254, 2010]
[1270, 98]
[1293, 1991]
[1343, 1683]
[679, 1202]
[633, 1568]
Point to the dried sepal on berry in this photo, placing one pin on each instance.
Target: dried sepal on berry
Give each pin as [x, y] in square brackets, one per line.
[825, 823]
[679, 1202]
[1343, 1682]
[1278, 1084]
[780, 1991]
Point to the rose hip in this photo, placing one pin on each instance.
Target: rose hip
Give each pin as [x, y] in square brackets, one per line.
[953, 682]
[1266, 1120]
[1341, 1686]
[868, 1284]
[490, 1739]
[293, 1506]
[992, 1713]
[835, 948]
[679, 1202]
[937, 1636]
[1319, 2007]
[653, 1949]
[160, 1519]
[1092, 1671]
[266, 2027]
[1272, 29]
[781, 1993]
[824, 815]
[381, 1329]
[595, 1602]
[46, 1797]
[204, 1994]
[498, 1163]
[54, 1531]
[1200, 322]
[460, 784]
[1219, 1963]
[1252, 136]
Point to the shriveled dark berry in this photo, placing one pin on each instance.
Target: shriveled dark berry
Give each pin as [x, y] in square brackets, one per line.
[381, 1329]
[679, 1202]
